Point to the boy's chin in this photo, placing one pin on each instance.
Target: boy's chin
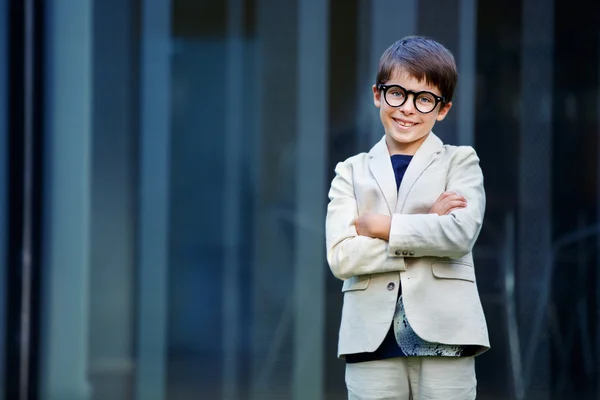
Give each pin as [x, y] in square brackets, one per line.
[407, 137]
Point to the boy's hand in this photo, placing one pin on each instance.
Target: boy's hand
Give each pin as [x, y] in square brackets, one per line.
[448, 202]
[378, 225]
[374, 225]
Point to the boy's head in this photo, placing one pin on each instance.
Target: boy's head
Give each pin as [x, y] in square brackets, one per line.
[424, 59]
[414, 89]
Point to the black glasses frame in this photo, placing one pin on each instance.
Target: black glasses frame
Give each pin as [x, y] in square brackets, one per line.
[385, 88]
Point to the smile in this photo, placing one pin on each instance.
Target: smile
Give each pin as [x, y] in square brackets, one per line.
[404, 123]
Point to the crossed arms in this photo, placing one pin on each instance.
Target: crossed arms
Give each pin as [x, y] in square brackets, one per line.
[376, 243]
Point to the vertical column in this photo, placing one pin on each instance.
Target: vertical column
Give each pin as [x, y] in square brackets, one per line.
[598, 217]
[435, 26]
[465, 92]
[25, 141]
[390, 21]
[366, 115]
[535, 192]
[512, 324]
[113, 200]
[234, 131]
[3, 181]
[311, 151]
[153, 228]
[274, 229]
[67, 201]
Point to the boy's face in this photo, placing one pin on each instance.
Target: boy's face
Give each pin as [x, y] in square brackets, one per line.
[405, 127]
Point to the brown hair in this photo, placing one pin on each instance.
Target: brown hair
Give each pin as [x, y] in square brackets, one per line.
[424, 59]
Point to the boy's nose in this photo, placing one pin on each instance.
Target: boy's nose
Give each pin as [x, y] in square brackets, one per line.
[408, 107]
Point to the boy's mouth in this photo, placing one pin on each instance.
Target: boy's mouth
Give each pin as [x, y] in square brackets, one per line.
[404, 124]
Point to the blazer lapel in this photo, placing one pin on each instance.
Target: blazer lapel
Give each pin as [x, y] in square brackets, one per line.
[381, 168]
[421, 160]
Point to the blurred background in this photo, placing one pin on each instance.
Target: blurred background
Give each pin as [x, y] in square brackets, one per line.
[165, 174]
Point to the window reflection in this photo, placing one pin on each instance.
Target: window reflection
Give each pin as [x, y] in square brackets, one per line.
[188, 164]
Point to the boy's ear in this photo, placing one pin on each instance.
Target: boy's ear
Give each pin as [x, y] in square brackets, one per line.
[376, 96]
[444, 111]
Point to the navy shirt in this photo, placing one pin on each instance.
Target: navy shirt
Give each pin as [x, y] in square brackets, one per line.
[389, 347]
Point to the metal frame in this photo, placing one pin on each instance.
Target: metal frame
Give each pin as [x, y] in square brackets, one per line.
[24, 135]
[3, 179]
[598, 219]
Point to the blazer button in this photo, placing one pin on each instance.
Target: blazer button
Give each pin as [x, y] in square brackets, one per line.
[391, 286]
[405, 253]
[398, 253]
[411, 253]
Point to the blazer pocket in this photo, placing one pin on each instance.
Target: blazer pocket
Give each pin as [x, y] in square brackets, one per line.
[453, 270]
[359, 282]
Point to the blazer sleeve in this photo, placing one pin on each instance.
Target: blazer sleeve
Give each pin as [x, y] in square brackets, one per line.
[453, 235]
[350, 254]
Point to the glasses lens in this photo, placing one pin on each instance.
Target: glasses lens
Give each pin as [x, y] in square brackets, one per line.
[425, 102]
[395, 96]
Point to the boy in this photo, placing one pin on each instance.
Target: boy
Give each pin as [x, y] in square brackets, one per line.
[401, 223]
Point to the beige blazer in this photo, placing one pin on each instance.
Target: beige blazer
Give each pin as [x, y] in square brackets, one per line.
[429, 254]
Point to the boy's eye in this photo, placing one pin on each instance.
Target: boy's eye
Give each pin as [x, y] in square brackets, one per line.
[426, 99]
[396, 93]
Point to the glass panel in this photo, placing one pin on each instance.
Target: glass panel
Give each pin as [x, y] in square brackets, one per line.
[198, 167]
[153, 207]
[538, 253]
[91, 193]
[65, 346]
[240, 198]
[190, 148]
[113, 191]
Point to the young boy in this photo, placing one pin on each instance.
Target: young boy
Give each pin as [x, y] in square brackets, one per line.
[401, 223]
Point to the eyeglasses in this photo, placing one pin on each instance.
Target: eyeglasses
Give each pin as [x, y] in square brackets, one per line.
[395, 96]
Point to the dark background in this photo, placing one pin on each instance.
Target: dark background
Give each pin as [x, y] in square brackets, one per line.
[164, 184]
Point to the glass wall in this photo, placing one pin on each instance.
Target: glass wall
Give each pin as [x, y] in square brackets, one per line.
[189, 149]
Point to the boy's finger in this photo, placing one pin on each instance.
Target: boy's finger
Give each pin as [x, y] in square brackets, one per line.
[455, 204]
[453, 209]
[452, 192]
[454, 197]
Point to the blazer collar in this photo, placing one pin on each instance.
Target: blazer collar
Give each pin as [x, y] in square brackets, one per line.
[381, 167]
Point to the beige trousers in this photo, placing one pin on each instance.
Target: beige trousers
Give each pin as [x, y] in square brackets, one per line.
[412, 378]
